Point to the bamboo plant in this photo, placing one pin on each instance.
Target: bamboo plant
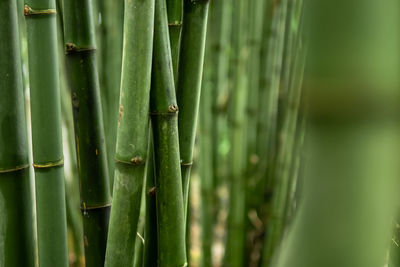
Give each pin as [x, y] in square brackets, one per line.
[46, 132]
[255, 11]
[17, 237]
[270, 64]
[150, 226]
[190, 72]
[109, 36]
[133, 126]
[88, 124]
[219, 36]
[164, 118]
[278, 211]
[174, 10]
[234, 253]
[205, 172]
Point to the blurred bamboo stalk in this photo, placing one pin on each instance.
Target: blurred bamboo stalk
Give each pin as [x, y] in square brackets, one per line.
[282, 184]
[351, 171]
[234, 253]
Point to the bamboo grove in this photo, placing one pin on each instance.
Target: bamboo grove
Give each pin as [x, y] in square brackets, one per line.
[171, 133]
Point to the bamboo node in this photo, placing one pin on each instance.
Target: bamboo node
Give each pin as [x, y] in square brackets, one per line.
[85, 208]
[28, 11]
[137, 160]
[49, 164]
[175, 24]
[71, 48]
[173, 108]
[186, 163]
[14, 169]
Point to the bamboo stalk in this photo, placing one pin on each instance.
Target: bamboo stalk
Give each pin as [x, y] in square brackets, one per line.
[89, 132]
[220, 33]
[276, 225]
[132, 136]
[206, 177]
[190, 73]
[296, 171]
[175, 13]
[255, 13]
[74, 217]
[150, 226]
[270, 66]
[234, 254]
[46, 132]
[139, 246]
[16, 202]
[164, 117]
[110, 27]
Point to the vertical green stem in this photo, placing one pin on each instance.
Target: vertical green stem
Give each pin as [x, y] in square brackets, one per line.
[270, 67]
[150, 230]
[89, 132]
[278, 212]
[234, 255]
[46, 132]
[254, 38]
[190, 73]
[164, 117]
[110, 42]
[133, 125]
[16, 201]
[206, 177]
[174, 10]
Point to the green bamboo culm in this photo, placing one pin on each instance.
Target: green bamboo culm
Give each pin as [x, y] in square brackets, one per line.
[16, 202]
[190, 73]
[46, 132]
[175, 11]
[150, 226]
[219, 34]
[89, 131]
[133, 125]
[109, 36]
[270, 66]
[205, 166]
[234, 254]
[256, 10]
[164, 118]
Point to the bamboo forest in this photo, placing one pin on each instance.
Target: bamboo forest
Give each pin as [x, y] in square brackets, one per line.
[209, 133]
